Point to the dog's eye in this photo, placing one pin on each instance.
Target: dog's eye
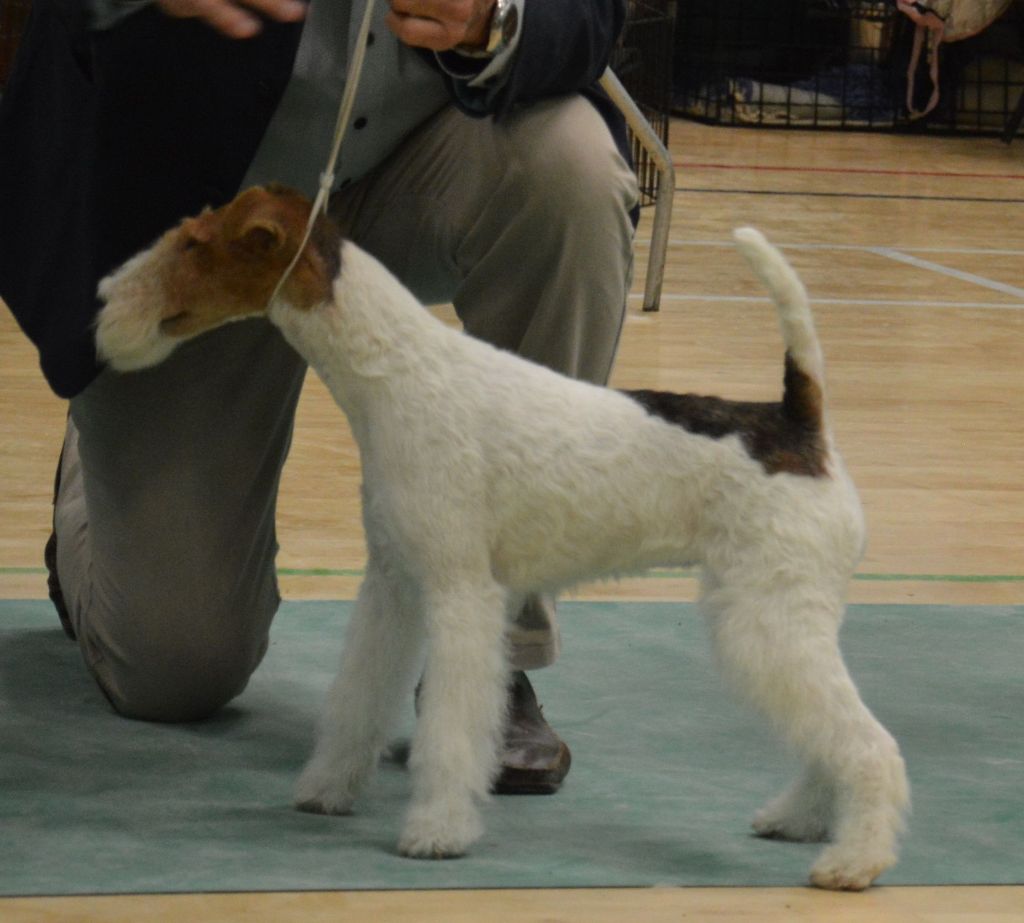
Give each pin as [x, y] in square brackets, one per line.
[190, 243]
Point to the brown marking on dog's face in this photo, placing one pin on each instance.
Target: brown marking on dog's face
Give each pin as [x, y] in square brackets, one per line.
[781, 436]
[224, 264]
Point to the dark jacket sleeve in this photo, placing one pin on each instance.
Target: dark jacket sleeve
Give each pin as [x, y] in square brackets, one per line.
[565, 47]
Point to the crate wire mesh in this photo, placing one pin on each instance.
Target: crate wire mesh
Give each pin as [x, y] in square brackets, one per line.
[13, 15]
[643, 63]
[789, 63]
[837, 64]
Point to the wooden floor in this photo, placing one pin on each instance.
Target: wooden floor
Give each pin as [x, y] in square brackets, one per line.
[913, 251]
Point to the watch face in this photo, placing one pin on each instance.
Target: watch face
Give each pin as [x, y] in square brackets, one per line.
[510, 24]
[504, 25]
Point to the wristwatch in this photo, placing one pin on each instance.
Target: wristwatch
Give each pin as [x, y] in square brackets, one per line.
[504, 26]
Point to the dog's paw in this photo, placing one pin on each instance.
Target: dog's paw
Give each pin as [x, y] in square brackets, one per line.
[837, 870]
[439, 832]
[321, 789]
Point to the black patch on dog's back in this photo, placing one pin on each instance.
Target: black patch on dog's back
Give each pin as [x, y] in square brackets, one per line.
[783, 436]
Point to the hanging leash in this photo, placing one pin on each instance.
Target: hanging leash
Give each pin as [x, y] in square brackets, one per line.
[327, 177]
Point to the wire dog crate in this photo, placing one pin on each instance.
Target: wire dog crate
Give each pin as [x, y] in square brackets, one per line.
[13, 15]
[837, 64]
[643, 63]
[791, 63]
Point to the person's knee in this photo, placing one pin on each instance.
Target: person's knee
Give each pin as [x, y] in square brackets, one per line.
[174, 676]
[184, 684]
[569, 163]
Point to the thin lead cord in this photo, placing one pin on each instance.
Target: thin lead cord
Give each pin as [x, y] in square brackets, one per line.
[348, 100]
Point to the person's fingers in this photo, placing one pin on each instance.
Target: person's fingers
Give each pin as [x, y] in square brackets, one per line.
[235, 18]
[440, 24]
[422, 33]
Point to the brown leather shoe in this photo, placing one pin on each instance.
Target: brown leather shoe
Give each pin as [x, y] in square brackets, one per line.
[535, 759]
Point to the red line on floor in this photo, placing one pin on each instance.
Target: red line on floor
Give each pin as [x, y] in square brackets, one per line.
[754, 168]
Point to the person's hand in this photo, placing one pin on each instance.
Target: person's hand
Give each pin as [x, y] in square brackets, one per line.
[440, 25]
[235, 18]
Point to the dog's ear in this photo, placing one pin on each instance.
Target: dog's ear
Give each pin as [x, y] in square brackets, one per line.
[199, 230]
[257, 224]
[261, 236]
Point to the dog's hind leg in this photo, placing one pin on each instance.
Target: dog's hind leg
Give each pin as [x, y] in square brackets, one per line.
[780, 648]
[379, 661]
[455, 750]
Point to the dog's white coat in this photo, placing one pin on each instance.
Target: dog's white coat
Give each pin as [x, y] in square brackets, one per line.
[487, 477]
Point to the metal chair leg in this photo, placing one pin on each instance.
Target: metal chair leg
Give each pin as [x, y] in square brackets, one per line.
[643, 131]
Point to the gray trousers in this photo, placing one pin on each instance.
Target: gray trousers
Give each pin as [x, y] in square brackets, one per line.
[165, 517]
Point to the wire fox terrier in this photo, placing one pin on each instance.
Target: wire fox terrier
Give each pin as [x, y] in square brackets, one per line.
[487, 477]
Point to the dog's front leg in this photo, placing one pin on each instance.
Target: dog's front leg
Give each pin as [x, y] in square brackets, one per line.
[454, 754]
[379, 661]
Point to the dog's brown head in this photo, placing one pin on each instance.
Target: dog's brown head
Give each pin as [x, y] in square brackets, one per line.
[220, 266]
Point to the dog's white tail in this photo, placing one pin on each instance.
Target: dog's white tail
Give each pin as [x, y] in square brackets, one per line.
[805, 365]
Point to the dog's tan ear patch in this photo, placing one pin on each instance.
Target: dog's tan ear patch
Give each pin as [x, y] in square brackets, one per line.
[311, 281]
[261, 237]
[263, 227]
[199, 230]
[319, 265]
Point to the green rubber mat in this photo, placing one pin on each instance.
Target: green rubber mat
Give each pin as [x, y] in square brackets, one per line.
[667, 769]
